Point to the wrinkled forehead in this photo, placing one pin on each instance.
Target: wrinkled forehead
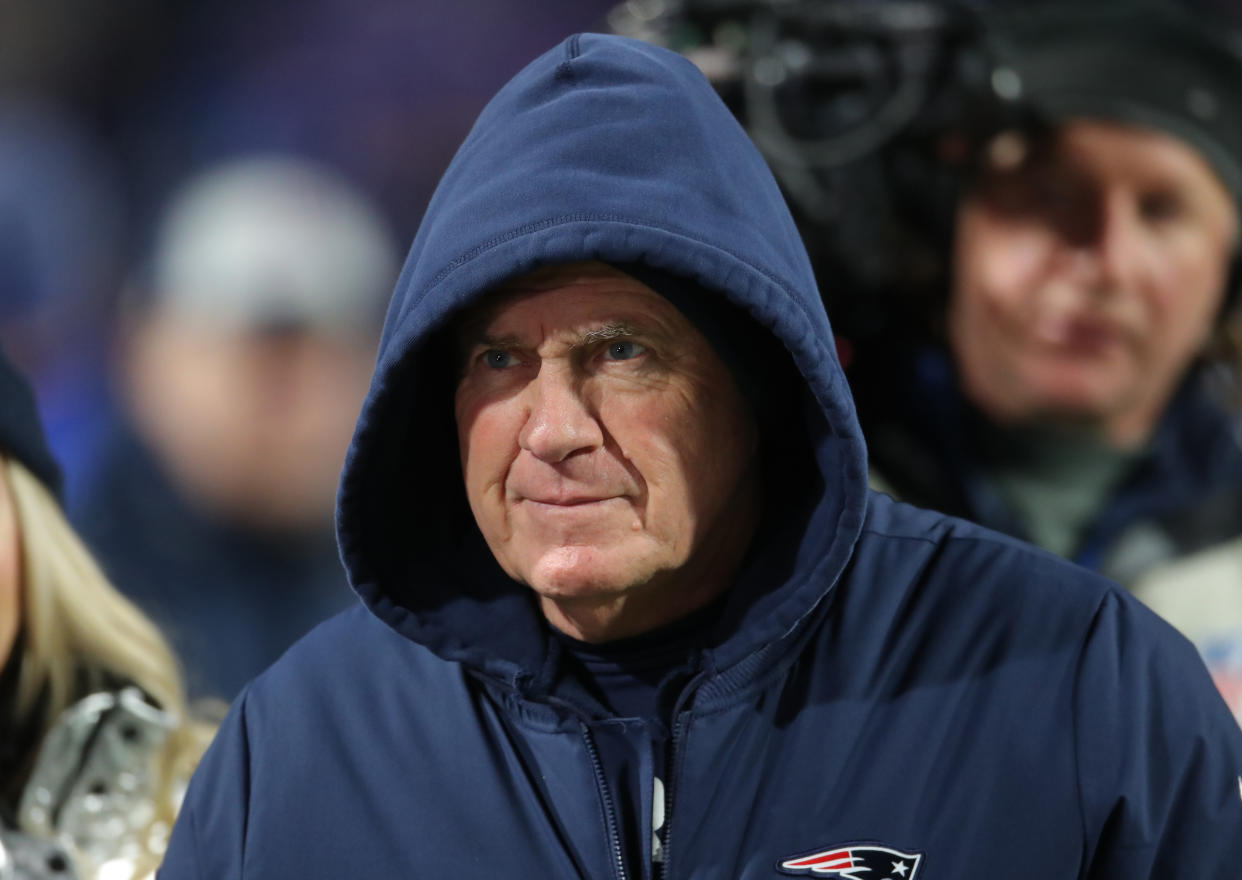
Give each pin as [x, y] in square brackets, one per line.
[587, 277]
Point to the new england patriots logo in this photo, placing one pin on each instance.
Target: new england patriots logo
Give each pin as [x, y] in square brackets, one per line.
[856, 862]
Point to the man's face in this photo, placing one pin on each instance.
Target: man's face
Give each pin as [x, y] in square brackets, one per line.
[1087, 277]
[606, 450]
[251, 425]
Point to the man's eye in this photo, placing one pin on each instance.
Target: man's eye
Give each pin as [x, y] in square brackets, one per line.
[1160, 206]
[498, 358]
[623, 350]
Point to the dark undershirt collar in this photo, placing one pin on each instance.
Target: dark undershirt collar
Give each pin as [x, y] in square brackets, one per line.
[640, 676]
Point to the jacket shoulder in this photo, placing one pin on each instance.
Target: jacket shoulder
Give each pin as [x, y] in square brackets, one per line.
[955, 548]
[1158, 756]
[341, 654]
[348, 715]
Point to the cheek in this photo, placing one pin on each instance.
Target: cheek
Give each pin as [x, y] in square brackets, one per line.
[1189, 288]
[1182, 305]
[998, 264]
[690, 450]
[486, 441]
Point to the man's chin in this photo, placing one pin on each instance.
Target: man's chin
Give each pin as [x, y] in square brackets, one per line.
[585, 573]
[1082, 406]
[1074, 397]
[579, 584]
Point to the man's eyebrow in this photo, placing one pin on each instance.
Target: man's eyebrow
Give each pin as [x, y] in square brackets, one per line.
[611, 330]
[473, 338]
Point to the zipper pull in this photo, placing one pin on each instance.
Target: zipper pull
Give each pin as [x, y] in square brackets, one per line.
[657, 824]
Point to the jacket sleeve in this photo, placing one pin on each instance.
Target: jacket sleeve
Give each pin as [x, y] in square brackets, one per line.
[1160, 756]
[209, 838]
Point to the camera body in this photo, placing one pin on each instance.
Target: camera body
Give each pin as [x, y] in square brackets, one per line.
[875, 115]
[868, 113]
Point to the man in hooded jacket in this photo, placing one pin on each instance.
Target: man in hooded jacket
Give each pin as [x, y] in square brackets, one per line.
[815, 680]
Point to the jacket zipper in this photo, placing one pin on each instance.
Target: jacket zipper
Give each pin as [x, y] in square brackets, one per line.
[670, 793]
[610, 814]
[674, 763]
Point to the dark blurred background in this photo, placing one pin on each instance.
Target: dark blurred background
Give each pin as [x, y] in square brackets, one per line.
[107, 108]
[203, 209]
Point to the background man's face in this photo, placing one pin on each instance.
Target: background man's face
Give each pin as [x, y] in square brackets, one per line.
[606, 450]
[251, 426]
[1088, 276]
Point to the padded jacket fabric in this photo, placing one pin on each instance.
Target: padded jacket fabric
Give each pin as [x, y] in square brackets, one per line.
[1169, 530]
[913, 694]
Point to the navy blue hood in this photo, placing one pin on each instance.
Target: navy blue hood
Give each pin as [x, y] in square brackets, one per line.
[607, 149]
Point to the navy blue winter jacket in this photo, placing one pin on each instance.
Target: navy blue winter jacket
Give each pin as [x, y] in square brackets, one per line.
[888, 692]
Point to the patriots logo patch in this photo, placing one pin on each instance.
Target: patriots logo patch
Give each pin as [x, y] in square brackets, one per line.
[856, 862]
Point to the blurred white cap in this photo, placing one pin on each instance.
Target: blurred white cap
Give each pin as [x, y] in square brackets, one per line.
[274, 240]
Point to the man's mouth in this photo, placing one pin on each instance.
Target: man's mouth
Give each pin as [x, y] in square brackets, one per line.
[1078, 334]
[569, 500]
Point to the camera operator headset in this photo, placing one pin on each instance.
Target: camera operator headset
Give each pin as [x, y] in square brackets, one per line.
[880, 120]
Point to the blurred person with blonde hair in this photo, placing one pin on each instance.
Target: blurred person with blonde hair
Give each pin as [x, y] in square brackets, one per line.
[245, 357]
[95, 740]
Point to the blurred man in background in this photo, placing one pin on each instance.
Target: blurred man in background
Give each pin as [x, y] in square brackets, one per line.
[1070, 400]
[244, 362]
[128, 100]
[1038, 209]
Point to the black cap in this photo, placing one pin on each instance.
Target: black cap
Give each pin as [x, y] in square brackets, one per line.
[1142, 62]
[21, 432]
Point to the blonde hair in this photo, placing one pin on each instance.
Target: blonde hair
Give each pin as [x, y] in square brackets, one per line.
[81, 635]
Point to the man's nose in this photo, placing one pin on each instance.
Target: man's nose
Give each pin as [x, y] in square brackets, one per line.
[1112, 255]
[560, 421]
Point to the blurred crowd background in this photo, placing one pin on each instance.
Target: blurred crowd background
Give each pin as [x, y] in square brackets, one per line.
[203, 209]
